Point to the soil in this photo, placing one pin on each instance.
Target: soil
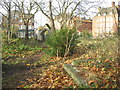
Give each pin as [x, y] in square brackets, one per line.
[20, 74]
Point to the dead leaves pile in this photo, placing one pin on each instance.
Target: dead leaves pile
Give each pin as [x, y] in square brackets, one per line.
[54, 77]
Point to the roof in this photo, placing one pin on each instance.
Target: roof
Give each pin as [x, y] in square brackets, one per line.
[89, 21]
[107, 11]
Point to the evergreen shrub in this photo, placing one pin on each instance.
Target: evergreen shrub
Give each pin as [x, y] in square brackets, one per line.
[86, 34]
[61, 42]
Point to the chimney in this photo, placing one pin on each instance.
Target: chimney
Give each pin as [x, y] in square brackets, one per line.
[113, 4]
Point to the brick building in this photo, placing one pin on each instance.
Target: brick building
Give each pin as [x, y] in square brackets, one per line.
[107, 21]
[17, 24]
[16, 21]
[80, 24]
[83, 24]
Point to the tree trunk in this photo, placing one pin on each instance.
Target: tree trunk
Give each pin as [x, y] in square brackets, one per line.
[9, 21]
[51, 16]
[26, 33]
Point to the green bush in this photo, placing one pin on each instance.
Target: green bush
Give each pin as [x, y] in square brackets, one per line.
[86, 34]
[23, 47]
[14, 35]
[62, 42]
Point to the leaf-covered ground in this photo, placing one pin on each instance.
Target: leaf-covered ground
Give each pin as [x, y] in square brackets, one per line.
[34, 69]
[49, 74]
[29, 67]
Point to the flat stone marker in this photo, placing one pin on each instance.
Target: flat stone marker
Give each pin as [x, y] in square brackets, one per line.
[74, 74]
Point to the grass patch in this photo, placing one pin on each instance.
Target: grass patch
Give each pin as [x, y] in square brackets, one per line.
[17, 48]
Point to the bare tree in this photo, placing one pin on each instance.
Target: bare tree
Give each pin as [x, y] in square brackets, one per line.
[48, 13]
[51, 15]
[7, 6]
[64, 10]
[27, 11]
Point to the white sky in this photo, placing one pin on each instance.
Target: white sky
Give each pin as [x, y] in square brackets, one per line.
[42, 20]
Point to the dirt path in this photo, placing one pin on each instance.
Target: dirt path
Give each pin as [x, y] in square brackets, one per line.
[20, 74]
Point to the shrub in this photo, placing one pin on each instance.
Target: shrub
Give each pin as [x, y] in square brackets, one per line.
[14, 35]
[86, 34]
[23, 47]
[62, 42]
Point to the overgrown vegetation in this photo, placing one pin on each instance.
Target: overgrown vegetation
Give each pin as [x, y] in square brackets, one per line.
[86, 34]
[62, 42]
[16, 47]
[101, 59]
[98, 56]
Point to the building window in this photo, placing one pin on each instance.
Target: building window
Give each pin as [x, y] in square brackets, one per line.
[101, 20]
[107, 19]
[97, 31]
[119, 18]
[29, 27]
[20, 20]
[111, 24]
[100, 31]
[107, 24]
[15, 16]
[20, 27]
[111, 19]
[96, 25]
[107, 30]
[97, 20]
[101, 25]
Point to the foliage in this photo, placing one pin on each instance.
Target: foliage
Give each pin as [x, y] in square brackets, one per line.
[86, 34]
[61, 42]
[19, 47]
[23, 47]
[102, 60]
[4, 35]
[14, 35]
